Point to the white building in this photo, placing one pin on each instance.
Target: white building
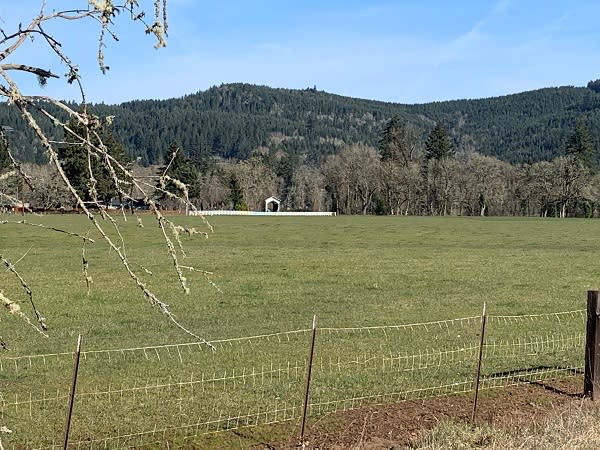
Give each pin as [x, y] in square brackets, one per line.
[272, 204]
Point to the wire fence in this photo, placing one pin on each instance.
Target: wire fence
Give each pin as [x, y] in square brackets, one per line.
[136, 397]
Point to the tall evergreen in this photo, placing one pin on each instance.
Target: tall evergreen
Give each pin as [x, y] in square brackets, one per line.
[4, 159]
[438, 145]
[398, 142]
[389, 142]
[581, 145]
[73, 158]
[180, 168]
[236, 195]
[74, 154]
[201, 157]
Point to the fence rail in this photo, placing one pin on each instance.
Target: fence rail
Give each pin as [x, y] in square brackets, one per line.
[131, 397]
[221, 212]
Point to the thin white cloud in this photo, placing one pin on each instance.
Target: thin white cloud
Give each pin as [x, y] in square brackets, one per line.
[472, 40]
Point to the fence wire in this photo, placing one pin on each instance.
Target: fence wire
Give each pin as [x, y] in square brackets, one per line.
[151, 395]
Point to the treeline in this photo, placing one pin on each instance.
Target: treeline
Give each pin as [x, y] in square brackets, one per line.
[235, 145]
[400, 176]
[233, 121]
[404, 177]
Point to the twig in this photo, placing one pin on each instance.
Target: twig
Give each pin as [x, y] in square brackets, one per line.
[39, 225]
[27, 289]
[88, 278]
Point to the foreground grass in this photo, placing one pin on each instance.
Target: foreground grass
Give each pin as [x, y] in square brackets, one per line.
[575, 428]
[274, 274]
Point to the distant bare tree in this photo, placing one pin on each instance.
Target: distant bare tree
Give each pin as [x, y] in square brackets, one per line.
[307, 189]
[336, 184]
[362, 166]
[571, 177]
[214, 192]
[542, 186]
[441, 184]
[257, 181]
[399, 142]
[50, 191]
[400, 186]
[486, 182]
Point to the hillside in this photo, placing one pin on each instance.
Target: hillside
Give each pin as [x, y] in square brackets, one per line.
[231, 121]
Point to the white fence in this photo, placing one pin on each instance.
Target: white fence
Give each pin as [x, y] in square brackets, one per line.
[259, 213]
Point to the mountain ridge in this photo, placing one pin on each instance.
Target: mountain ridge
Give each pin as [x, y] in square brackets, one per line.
[235, 120]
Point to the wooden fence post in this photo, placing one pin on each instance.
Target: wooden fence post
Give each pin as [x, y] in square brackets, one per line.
[591, 378]
[479, 359]
[308, 374]
[72, 394]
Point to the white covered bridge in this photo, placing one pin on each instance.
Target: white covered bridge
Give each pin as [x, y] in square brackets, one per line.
[272, 208]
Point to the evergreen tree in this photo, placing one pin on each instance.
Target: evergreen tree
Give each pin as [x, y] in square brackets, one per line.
[115, 149]
[285, 169]
[389, 140]
[309, 127]
[398, 142]
[5, 162]
[74, 159]
[438, 145]
[236, 195]
[581, 145]
[74, 164]
[179, 169]
[594, 85]
[201, 157]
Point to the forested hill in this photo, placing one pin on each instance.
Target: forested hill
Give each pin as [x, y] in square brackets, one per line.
[233, 120]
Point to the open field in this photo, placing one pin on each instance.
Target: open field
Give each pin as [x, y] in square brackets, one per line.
[274, 274]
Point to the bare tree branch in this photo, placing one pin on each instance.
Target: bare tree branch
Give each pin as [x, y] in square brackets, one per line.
[14, 307]
[87, 136]
[35, 70]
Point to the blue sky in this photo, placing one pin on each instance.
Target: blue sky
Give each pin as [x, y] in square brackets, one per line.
[400, 51]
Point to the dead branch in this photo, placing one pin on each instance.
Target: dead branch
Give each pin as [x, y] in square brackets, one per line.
[14, 307]
[35, 70]
[39, 225]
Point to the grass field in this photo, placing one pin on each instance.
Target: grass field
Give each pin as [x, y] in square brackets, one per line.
[274, 274]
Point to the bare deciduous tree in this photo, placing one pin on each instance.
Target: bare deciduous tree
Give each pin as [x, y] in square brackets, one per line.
[257, 181]
[214, 193]
[353, 178]
[400, 186]
[486, 182]
[307, 190]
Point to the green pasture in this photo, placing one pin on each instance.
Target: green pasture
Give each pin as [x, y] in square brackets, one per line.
[276, 273]
[273, 275]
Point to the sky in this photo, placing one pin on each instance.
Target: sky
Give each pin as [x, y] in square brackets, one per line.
[404, 51]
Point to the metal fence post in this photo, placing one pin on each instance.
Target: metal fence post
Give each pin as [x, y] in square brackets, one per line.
[72, 394]
[479, 359]
[308, 374]
[591, 378]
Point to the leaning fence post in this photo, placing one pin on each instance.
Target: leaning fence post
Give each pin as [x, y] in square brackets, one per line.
[72, 393]
[308, 373]
[479, 359]
[591, 378]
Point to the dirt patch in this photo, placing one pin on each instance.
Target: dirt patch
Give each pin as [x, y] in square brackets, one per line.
[399, 426]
